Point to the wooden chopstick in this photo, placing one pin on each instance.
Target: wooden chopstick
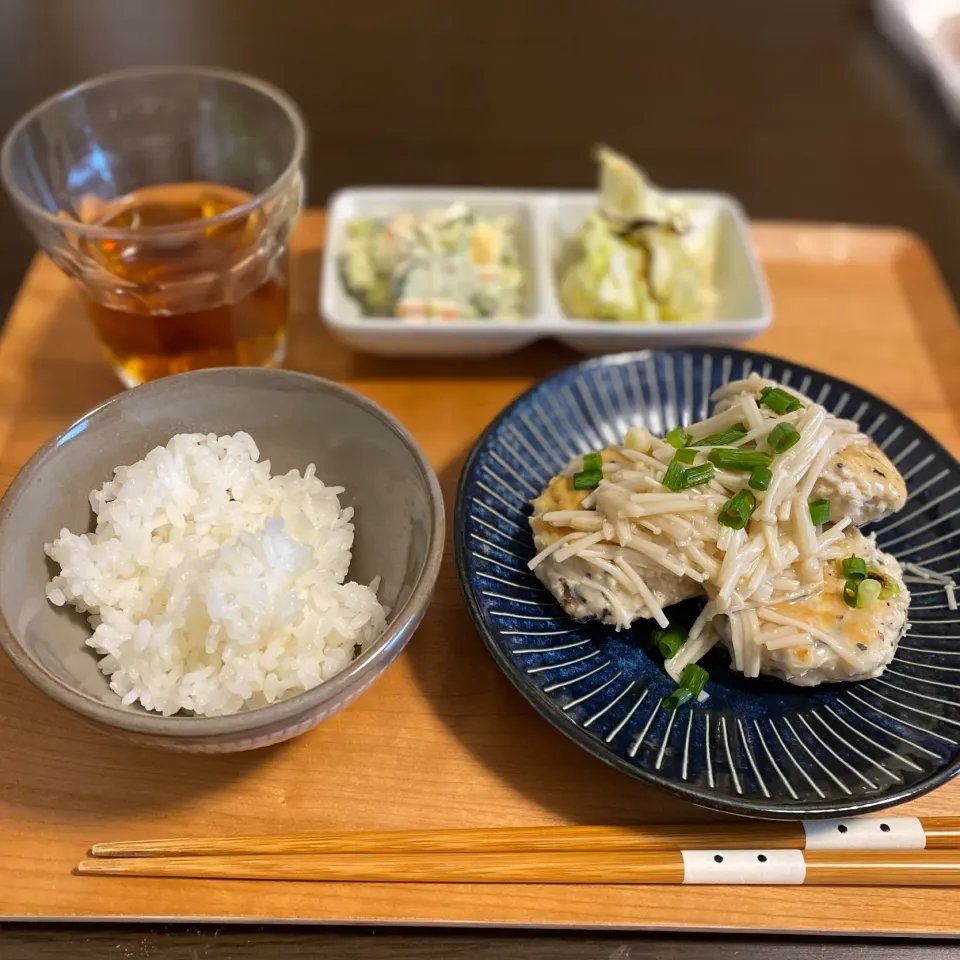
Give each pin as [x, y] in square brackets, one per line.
[770, 867]
[853, 833]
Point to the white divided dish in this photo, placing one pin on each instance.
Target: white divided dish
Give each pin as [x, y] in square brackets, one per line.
[546, 222]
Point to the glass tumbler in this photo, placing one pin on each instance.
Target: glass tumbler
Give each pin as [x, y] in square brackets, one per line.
[169, 196]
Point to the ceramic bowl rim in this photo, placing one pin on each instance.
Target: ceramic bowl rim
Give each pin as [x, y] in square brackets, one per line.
[284, 712]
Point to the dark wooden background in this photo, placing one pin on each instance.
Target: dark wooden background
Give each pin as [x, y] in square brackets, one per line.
[798, 107]
[81, 942]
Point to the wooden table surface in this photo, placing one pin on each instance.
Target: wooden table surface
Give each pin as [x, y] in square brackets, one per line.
[795, 106]
[451, 714]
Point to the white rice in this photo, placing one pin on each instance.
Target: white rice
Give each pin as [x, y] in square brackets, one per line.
[213, 586]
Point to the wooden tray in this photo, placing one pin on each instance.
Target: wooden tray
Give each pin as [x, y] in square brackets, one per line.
[442, 739]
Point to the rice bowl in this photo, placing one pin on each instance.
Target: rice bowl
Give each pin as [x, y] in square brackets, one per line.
[296, 419]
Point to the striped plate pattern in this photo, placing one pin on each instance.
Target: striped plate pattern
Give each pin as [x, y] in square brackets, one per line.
[759, 747]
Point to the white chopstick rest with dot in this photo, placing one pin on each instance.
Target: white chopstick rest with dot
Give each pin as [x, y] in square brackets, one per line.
[854, 833]
[769, 867]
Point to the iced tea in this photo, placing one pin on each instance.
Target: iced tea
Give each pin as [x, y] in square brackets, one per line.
[171, 300]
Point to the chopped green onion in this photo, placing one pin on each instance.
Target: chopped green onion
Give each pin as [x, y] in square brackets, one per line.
[694, 678]
[727, 459]
[819, 512]
[736, 432]
[686, 455]
[850, 590]
[854, 568]
[779, 401]
[737, 510]
[868, 593]
[889, 589]
[587, 479]
[677, 699]
[592, 462]
[760, 478]
[678, 437]
[888, 586]
[673, 478]
[782, 437]
[695, 476]
[669, 641]
[668, 647]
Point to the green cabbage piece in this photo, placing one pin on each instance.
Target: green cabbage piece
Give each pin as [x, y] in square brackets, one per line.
[655, 273]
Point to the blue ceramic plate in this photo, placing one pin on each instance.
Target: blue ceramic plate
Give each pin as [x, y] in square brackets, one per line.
[759, 747]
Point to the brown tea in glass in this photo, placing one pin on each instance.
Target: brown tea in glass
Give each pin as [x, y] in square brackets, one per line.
[203, 298]
[168, 194]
